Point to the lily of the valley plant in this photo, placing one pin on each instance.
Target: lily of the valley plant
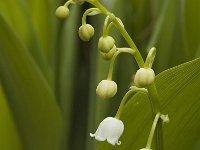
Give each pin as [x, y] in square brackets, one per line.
[111, 128]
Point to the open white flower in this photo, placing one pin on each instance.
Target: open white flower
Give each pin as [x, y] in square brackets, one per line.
[109, 129]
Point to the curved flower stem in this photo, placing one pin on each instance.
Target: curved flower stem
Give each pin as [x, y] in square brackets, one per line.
[123, 102]
[68, 3]
[150, 58]
[86, 13]
[155, 122]
[155, 107]
[105, 33]
[119, 50]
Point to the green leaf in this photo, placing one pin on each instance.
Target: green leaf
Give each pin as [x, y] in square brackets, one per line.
[42, 15]
[66, 62]
[192, 23]
[17, 15]
[9, 137]
[31, 100]
[178, 89]
[175, 33]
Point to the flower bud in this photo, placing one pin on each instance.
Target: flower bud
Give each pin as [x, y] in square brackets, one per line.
[62, 12]
[109, 129]
[144, 77]
[145, 149]
[106, 89]
[86, 32]
[106, 44]
[109, 55]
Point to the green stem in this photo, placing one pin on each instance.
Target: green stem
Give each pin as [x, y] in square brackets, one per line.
[105, 33]
[155, 107]
[149, 142]
[123, 102]
[68, 3]
[86, 13]
[119, 50]
[150, 58]
[109, 27]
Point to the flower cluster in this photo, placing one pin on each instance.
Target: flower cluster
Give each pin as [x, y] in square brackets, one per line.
[111, 128]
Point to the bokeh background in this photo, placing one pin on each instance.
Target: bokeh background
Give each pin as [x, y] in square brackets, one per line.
[49, 76]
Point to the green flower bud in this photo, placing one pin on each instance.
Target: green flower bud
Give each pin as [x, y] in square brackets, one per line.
[109, 55]
[144, 77]
[106, 89]
[86, 32]
[106, 44]
[62, 12]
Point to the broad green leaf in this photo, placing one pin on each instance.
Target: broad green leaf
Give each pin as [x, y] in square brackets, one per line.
[16, 13]
[175, 33]
[192, 23]
[178, 89]
[9, 137]
[42, 14]
[66, 61]
[31, 100]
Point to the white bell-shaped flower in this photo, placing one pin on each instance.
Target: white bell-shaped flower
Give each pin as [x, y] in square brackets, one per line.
[109, 129]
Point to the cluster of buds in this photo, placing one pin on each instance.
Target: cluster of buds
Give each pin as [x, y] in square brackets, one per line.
[111, 128]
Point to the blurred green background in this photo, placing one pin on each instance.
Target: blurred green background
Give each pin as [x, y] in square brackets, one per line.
[48, 75]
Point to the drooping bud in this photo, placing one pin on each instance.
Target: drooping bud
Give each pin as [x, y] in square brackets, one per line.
[106, 89]
[109, 55]
[86, 32]
[62, 12]
[106, 43]
[144, 77]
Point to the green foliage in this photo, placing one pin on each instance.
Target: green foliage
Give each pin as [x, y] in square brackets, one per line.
[48, 76]
[178, 89]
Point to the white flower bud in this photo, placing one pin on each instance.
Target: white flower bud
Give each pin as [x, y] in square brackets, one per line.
[144, 77]
[106, 44]
[62, 12]
[86, 32]
[106, 89]
[109, 55]
[109, 129]
[145, 149]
